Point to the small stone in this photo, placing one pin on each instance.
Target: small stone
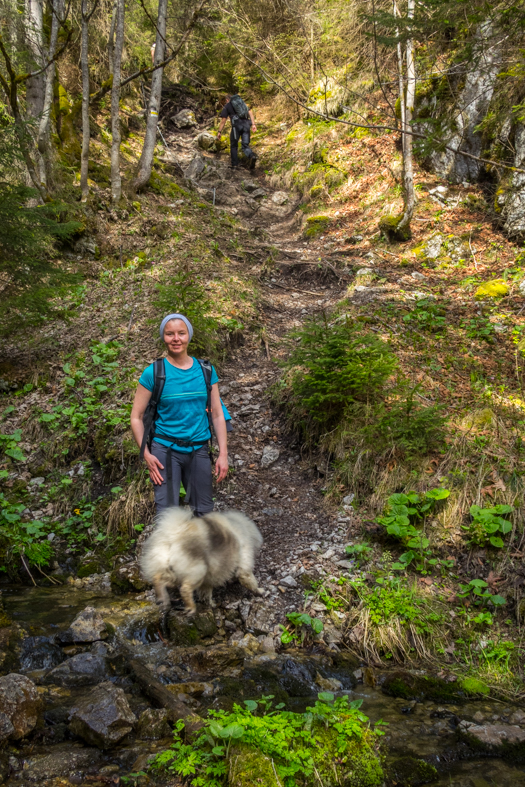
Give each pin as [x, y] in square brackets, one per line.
[364, 272]
[37, 481]
[270, 455]
[348, 564]
[518, 717]
[328, 684]
[348, 499]
[417, 275]
[521, 287]
[153, 724]
[85, 669]
[478, 717]
[289, 581]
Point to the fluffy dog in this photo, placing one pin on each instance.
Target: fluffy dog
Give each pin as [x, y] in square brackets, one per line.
[199, 554]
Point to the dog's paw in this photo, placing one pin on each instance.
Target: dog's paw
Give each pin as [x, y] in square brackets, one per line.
[259, 591]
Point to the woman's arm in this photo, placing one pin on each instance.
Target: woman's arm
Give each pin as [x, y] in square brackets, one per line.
[254, 127]
[219, 424]
[142, 397]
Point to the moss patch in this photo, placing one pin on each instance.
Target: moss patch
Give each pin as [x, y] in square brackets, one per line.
[316, 225]
[416, 687]
[411, 772]
[475, 686]
[497, 288]
[389, 226]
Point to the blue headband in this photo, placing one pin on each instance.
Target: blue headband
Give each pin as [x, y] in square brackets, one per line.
[176, 317]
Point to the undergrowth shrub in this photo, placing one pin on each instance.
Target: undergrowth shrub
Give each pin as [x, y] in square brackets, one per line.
[294, 749]
[342, 392]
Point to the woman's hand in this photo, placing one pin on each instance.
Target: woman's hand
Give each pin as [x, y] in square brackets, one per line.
[154, 466]
[221, 468]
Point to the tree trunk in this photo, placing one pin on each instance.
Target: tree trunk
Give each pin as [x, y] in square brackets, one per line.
[84, 158]
[152, 117]
[111, 37]
[43, 128]
[35, 44]
[408, 161]
[116, 182]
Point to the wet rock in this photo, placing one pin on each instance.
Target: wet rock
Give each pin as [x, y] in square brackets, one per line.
[419, 687]
[184, 119]
[88, 626]
[411, 772]
[328, 684]
[10, 645]
[40, 653]
[518, 717]
[192, 688]
[85, 669]
[127, 579]
[505, 740]
[64, 759]
[247, 642]
[153, 724]
[185, 631]
[214, 661]
[270, 455]
[21, 706]
[103, 717]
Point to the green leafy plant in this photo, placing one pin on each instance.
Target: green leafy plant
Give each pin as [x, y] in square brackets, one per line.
[22, 537]
[360, 552]
[402, 513]
[427, 316]
[486, 523]
[302, 624]
[476, 592]
[292, 741]
[9, 445]
[479, 328]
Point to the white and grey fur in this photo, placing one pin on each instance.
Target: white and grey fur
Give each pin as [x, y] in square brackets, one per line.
[199, 554]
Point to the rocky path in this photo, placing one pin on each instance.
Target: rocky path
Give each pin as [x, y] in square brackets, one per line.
[271, 483]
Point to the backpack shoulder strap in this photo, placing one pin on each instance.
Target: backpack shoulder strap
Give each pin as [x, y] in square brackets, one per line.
[150, 415]
[206, 371]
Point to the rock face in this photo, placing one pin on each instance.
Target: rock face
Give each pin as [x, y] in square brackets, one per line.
[103, 718]
[472, 106]
[85, 669]
[20, 706]
[88, 626]
[184, 119]
[195, 168]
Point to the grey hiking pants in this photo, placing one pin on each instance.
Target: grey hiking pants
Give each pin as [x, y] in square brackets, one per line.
[244, 135]
[194, 470]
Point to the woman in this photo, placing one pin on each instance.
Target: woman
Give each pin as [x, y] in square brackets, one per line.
[183, 419]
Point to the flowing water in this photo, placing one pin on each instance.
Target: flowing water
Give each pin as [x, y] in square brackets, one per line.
[417, 729]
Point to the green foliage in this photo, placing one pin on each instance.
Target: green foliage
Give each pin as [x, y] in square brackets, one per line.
[395, 599]
[475, 686]
[360, 552]
[486, 522]
[402, 513]
[479, 328]
[302, 623]
[476, 592]
[9, 445]
[427, 316]
[184, 293]
[339, 387]
[291, 740]
[20, 537]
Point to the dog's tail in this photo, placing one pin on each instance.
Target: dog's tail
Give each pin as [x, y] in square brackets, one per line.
[173, 518]
[241, 524]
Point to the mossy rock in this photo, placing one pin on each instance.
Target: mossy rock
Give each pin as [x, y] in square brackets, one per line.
[249, 767]
[358, 765]
[316, 225]
[497, 288]
[420, 687]
[88, 569]
[315, 191]
[474, 686]
[389, 226]
[411, 772]
[162, 184]
[185, 631]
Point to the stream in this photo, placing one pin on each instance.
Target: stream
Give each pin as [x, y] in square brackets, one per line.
[210, 672]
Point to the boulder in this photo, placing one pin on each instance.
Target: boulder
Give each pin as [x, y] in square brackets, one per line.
[84, 669]
[153, 724]
[498, 739]
[103, 717]
[207, 141]
[270, 455]
[88, 626]
[195, 168]
[21, 706]
[514, 200]
[40, 653]
[184, 119]
[184, 631]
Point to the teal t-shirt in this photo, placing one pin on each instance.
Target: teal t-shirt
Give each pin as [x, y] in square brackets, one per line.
[182, 408]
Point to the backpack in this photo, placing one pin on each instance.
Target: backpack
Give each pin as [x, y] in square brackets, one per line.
[241, 110]
[150, 414]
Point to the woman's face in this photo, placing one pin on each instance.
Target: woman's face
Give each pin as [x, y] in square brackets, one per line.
[176, 336]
